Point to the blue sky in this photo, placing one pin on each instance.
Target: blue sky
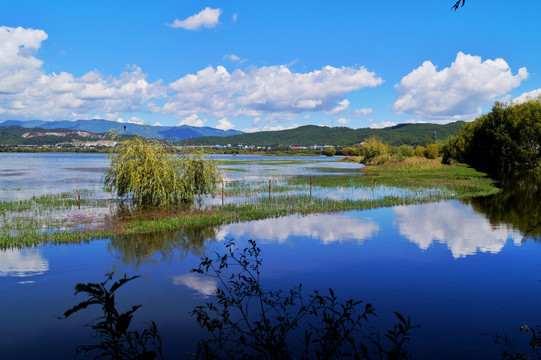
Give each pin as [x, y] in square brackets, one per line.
[258, 65]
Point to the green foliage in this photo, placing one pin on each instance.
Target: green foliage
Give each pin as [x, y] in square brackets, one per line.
[409, 134]
[507, 138]
[351, 151]
[419, 151]
[330, 152]
[116, 341]
[432, 151]
[145, 172]
[373, 148]
[248, 322]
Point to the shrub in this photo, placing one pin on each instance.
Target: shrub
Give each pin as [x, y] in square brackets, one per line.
[432, 151]
[373, 148]
[419, 151]
[143, 171]
[330, 152]
[406, 150]
[351, 151]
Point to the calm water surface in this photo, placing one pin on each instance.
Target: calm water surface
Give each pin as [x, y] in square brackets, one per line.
[460, 269]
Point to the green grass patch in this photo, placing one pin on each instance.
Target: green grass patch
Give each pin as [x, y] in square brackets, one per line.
[425, 181]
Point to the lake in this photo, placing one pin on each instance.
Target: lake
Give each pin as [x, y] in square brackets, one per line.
[464, 270]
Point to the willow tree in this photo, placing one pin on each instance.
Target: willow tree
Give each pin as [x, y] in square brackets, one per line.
[145, 173]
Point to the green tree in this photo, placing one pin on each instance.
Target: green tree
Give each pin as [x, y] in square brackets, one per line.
[330, 152]
[431, 151]
[507, 138]
[351, 151]
[146, 173]
[372, 148]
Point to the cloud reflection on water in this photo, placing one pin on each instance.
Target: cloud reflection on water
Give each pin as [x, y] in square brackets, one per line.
[205, 286]
[464, 231]
[327, 228]
[22, 263]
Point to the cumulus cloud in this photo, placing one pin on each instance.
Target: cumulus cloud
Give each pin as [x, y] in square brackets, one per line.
[26, 91]
[274, 94]
[363, 112]
[207, 17]
[234, 58]
[457, 91]
[234, 17]
[381, 125]
[343, 121]
[135, 120]
[224, 124]
[340, 107]
[530, 95]
[192, 120]
[270, 128]
[272, 89]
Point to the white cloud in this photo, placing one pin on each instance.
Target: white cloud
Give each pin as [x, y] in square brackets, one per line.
[157, 123]
[270, 128]
[275, 94]
[192, 120]
[224, 124]
[234, 17]
[207, 17]
[381, 125]
[273, 89]
[135, 120]
[343, 121]
[457, 91]
[234, 58]
[531, 95]
[414, 121]
[27, 92]
[363, 112]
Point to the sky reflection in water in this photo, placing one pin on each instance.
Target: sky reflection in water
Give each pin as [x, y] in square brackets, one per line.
[444, 264]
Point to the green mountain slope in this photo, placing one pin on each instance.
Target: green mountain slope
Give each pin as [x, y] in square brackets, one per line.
[410, 134]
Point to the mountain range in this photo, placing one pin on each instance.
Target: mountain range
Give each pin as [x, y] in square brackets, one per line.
[173, 133]
[408, 134]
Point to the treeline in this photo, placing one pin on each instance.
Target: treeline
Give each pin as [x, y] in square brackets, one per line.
[506, 139]
[376, 152]
[403, 134]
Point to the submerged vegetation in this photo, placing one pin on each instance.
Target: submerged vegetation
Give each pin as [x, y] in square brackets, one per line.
[79, 215]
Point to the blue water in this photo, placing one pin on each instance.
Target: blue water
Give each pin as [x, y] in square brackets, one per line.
[443, 264]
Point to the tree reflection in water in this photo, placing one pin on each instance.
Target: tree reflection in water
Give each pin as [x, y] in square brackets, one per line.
[247, 321]
[518, 205]
[140, 249]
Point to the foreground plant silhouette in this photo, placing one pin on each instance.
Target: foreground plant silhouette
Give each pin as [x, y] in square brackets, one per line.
[249, 322]
[112, 329]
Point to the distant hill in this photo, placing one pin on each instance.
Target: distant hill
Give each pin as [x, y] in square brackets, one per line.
[17, 135]
[174, 133]
[410, 134]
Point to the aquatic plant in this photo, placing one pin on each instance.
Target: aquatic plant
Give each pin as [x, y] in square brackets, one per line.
[246, 321]
[112, 329]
